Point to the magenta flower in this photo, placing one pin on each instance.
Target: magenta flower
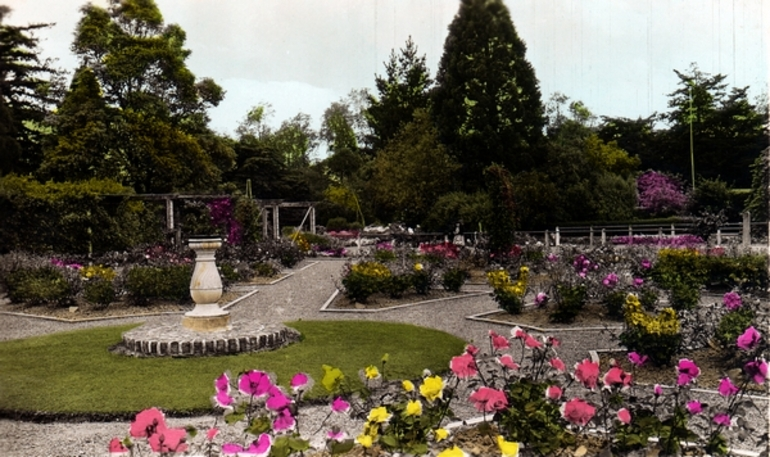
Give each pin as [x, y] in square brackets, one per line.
[531, 342]
[299, 382]
[222, 383]
[646, 264]
[557, 364]
[756, 370]
[541, 298]
[610, 281]
[749, 339]
[552, 257]
[694, 407]
[223, 399]
[499, 342]
[463, 366]
[732, 301]
[616, 377]
[169, 440]
[553, 392]
[637, 359]
[577, 411]
[723, 419]
[336, 434]
[487, 399]
[255, 383]
[727, 388]
[231, 449]
[638, 282]
[507, 361]
[340, 406]
[587, 372]
[624, 416]
[657, 390]
[117, 448]
[277, 400]
[147, 423]
[688, 371]
[284, 421]
[259, 448]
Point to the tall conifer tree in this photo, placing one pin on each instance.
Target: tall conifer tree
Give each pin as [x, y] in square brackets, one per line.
[487, 103]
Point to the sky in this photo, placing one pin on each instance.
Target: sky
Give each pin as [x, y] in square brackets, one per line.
[616, 56]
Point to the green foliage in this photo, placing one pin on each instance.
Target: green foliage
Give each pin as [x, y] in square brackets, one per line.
[411, 173]
[167, 283]
[395, 285]
[384, 255]
[454, 278]
[43, 285]
[732, 325]
[502, 219]
[532, 420]
[614, 302]
[569, 301]
[656, 336]
[422, 280]
[472, 209]
[265, 269]
[364, 279]
[99, 291]
[486, 103]
[756, 201]
[746, 272]
[712, 196]
[70, 217]
[683, 272]
[336, 224]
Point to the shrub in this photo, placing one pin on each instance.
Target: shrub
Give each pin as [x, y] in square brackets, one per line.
[337, 224]
[422, 279]
[364, 279]
[507, 294]
[732, 325]
[265, 269]
[37, 286]
[660, 194]
[165, 283]
[384, 255]
[99, 291]
[395, 285]
[454, 278]
[569, 301]
[658, 337]
[614, 302]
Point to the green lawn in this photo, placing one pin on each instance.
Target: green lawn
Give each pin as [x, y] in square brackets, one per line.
[73, 372]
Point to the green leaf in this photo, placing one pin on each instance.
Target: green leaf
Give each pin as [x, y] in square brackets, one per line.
[259, 425]
[341, 447]
[233, 418]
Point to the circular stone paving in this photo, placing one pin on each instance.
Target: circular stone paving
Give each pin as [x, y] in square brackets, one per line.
[174, 340]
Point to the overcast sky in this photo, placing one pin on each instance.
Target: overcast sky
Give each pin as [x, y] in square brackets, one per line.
[617, 56]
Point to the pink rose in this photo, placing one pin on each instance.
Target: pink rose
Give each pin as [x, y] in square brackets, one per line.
[463, 366]
[487, 399]
[624, 416]
[587, 372]
[577, 411]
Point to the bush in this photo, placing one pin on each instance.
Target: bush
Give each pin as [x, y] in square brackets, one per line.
[732, 325]
[37, 286]
[656, 336]
[265, 269]
[99, 291]
[165, 283]
[422, 279]
[614, 302]
[364, 279]
[396, 285]
[509, 295]
[453, 279]
[569, 301]
[336, 224]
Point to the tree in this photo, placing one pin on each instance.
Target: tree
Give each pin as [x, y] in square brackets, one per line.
[295, 140]
[411, 173]
[139, 64]
[486, 103]
[403, 90]
[728, 131]
[28, 88]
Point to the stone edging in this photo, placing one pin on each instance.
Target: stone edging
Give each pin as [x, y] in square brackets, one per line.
[325, 308]
[481, 318]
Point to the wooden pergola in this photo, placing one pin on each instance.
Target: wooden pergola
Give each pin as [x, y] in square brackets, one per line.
[271, 216]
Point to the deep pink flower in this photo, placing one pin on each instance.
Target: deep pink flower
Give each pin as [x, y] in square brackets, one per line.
[147, 423]
[284, 420]
[116, 447]
[169, 440]
[255, 383]
[507, 361]
[624, 416]
[231, 449]
[532, 343]
[749, 339]
[587, 372]
[223, 399]
[616, 377]
[657, 390]
[541, 298]
[299, 382]
[646, 264]
[610, 281]
[222, 383]
[340, 406]
[756, 370]
[723, 419]
[488, 399]
[277, 400]
[553, 342]
[732, 301]
[694, 407]
[518, 333]
[727, 388]
[638, 282]
[637, 359]
[577, 411]
[336, 434]
[553, 392]
[463, 366]
[557, 364]
[259, 447]
[212, 433]
[499, 342]
[471, 349]
[687, 370]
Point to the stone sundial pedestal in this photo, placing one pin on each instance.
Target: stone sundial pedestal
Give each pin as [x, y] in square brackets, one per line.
[206, 289]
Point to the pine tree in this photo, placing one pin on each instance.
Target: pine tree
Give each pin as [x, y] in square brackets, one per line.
[487, 103]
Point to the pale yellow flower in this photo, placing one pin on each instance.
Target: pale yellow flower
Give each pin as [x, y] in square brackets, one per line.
[432, 388]
[379, 415]
[417, 267]
[372, 372]
[407, 385]
[414, 408]
[365, 440]
[440, 434]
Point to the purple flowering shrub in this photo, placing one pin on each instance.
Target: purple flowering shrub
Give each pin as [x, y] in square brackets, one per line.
[660, 194]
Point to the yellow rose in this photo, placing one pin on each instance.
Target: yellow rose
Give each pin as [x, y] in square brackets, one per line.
[365, 441]
[507, 448]
[413, 408]
[432, 388]
[379, 415]
[371, 372]
[407, 385]
[440, 434]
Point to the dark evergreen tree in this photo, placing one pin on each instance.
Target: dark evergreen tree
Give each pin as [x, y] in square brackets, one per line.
[403, 90]
[28, 89]
[486, 103]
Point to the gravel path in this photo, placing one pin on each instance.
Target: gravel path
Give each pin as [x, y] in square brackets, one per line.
[300, 296]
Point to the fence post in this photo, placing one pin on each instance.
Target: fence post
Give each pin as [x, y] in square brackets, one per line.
[591, 236]
[630, 232]
[604, 236]
[558, 237]
[547, 242]
[660, 232]
[719, 237]
[673, 231]
[746, 226]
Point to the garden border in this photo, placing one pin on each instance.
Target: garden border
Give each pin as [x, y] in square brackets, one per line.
[480, 318]
[325, 307]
